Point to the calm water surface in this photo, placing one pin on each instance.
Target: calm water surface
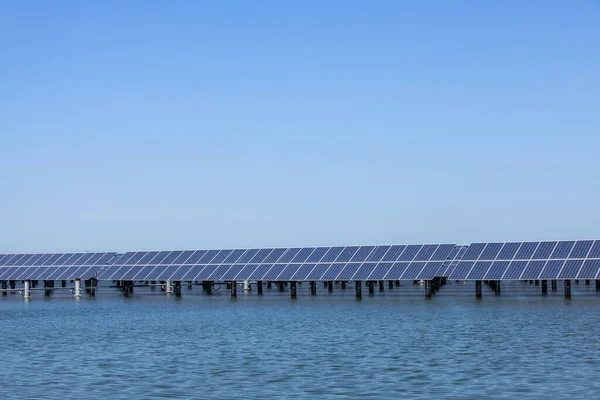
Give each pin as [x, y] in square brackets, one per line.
[395, 345]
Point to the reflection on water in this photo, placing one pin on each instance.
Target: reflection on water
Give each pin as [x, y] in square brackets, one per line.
[392, 345]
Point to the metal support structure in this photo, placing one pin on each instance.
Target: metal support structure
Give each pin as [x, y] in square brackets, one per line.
[497, 288]
[554, 285]
[597, 285]
[27, 290]
[567, 289]
[313, 288]
[293, 289]
[390, 285]
[427, 289]
[478, 289]
[544, 286]
[371, 286]
[358, 287]
[381, 286]
[281, 286]
[259, 289]
[77, 287]
[330, 286]
[343, 284]
[233, 289]
[168, 288]
[177, 285]
[247, 286]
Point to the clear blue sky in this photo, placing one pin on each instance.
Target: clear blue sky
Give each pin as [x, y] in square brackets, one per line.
[130, 125]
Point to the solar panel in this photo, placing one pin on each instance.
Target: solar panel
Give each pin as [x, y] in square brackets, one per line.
[480, 268]
[318, 271]
[274, 255]
[570, 269]
[473, 251]
[562, 249]
[348, 272]
[362, 254]
[409, 252]
[246, 271]
[332, 254]
[260, 272]
[443, 252]
[430, 270]
[289, 255]
[303, 255]
[393, 253]
[234, 256]
[288, 272]
[347, 254]
[497, 270]
[490, 251]
[302, 272]
[219, 258]
[515, 269]
[581, 249]
[395, 272]
[374, 271]
[526, 250]
[274, 272]
[463, 268]
[333, 271]
[426, 252]
[552, 269]
[589, 270]
[261, 255]
[378, 253]
[508, 251]
[412, 271]
[544, 250]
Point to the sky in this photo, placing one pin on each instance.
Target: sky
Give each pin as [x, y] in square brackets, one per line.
[140, 125]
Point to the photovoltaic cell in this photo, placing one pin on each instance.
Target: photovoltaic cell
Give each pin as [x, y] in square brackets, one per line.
[289, 255]
[551, 269]
[147, 257]
[206, 273]
[142, 272]
[362, 254]
[496, 270]
[260, 272]
[595, 251]
[181, 259]
[581, 249]
[562, 249]
[245, 272]
[533, 270]
[348, 272]
[303, 272]
[515, 269]
[347, 254]
[473, 251]
[508, 251]
[220, 257]
[395, 272]
[463, 268]
[234, 256]
[232, 272]
[410, 252]
[218, 272]
[206, 258]
[430, 270]
[274, 272]
[333, 272]
[191, 273]
[194, 258]
[261, 255]
[288, 272]
[526, 250]
[589, 270]
[378, 253]
[372, 271]
[426, 252]
[544, 250]
[303, 255]
[412, 271]
[443, 252]
[318, 254]
[393, 253]
[274, 255]
[490, 251]
[318, 271]
[332, 254]
[480, 268]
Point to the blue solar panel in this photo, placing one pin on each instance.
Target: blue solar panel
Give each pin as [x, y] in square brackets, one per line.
[303, 255]
[508, 251]
[570, 269]
[363, 271]
[333, 271]
[246, 257]
[318, 271]
[562, 249]
[430, 270]
[260, 271]
[581, 249]
[218, 272]
[595, 251]
[490, 251]
[463, 268]
[378, 253]
[332, 254]
[347, 254]
[515, 269]
[289, 255]
[544, 250]
[52, 260]
[426, 252]
[171, 257]
[181, 272]
[362, 254]
[288, 272]
[533, 270]
[473, 251]
[274, 272]
[395, 272]
[143, 272]
[317, 254]
[206, 273]
[130, 272]
[443, 252]
[589, 270]
[412, 271]
[349, 271]
[480, 268]
[496, 270]
[261, 255]
[552, 269]
[146, 258]
[133, 260]
[233, 257]
[526, 250]
[393, 253]
[191, 272]
[245, 272]
[206, 257]
[274, 255]
[303, 272]
[373, 271]
[232, 272]
[410, 252]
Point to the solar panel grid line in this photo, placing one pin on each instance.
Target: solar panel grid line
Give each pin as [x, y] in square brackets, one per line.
[301, 258]
[258, 258]
[589, 253]
[367, 265]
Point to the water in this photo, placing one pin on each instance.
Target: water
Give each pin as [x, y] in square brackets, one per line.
[395, 345]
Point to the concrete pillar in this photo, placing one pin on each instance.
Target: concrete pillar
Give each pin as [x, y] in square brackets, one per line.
[247, 286]
[190, 285]
[381, 286]
[48, 285]
[268, 285]
[343, 284]
[371, 286]
[63, 283]
[313, 288]
[537, 282]
[544, 287]
[12, 284]
[233, 289]
[168, 287]
[497, 288]
[330, 286]
[390, 285]
[577, 281]
[259, 288]
[587, 281]
[358, 286]
[428, 289]
[478, 289]
[597, 285]
[293, 289]
[77, 287]
[398, 282]
[554, 285]
[27, 290]
[281, 286]
[325, 284]
[567, 289]
[152, 283]
[177, 285]
[4, 287]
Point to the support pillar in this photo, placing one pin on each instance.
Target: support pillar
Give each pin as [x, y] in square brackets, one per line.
[427, 289]
[48, 285]
[281, 286]
[268, 285]
[259, 288]
[390, 285]
[325, 284]
[343, 284]
[77, 287]
[247, 286]
[168, 288]
[27, 290]
[330, 286]
[4, 287]
[293, 289]
[398, 282]
[313, 288]
[587, 281]
[567, 289]
[358, 286]
[233, 289]
[371, 285]
[597, 285]
[497, 288]
[152, 283]
[177, 285]
[478, 289]
[544, 286]
[554, 286]
[381, 286]
[12, 284]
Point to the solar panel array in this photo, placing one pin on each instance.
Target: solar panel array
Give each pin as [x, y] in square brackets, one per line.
[390, 262]
[557, 260]
[57, 266]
